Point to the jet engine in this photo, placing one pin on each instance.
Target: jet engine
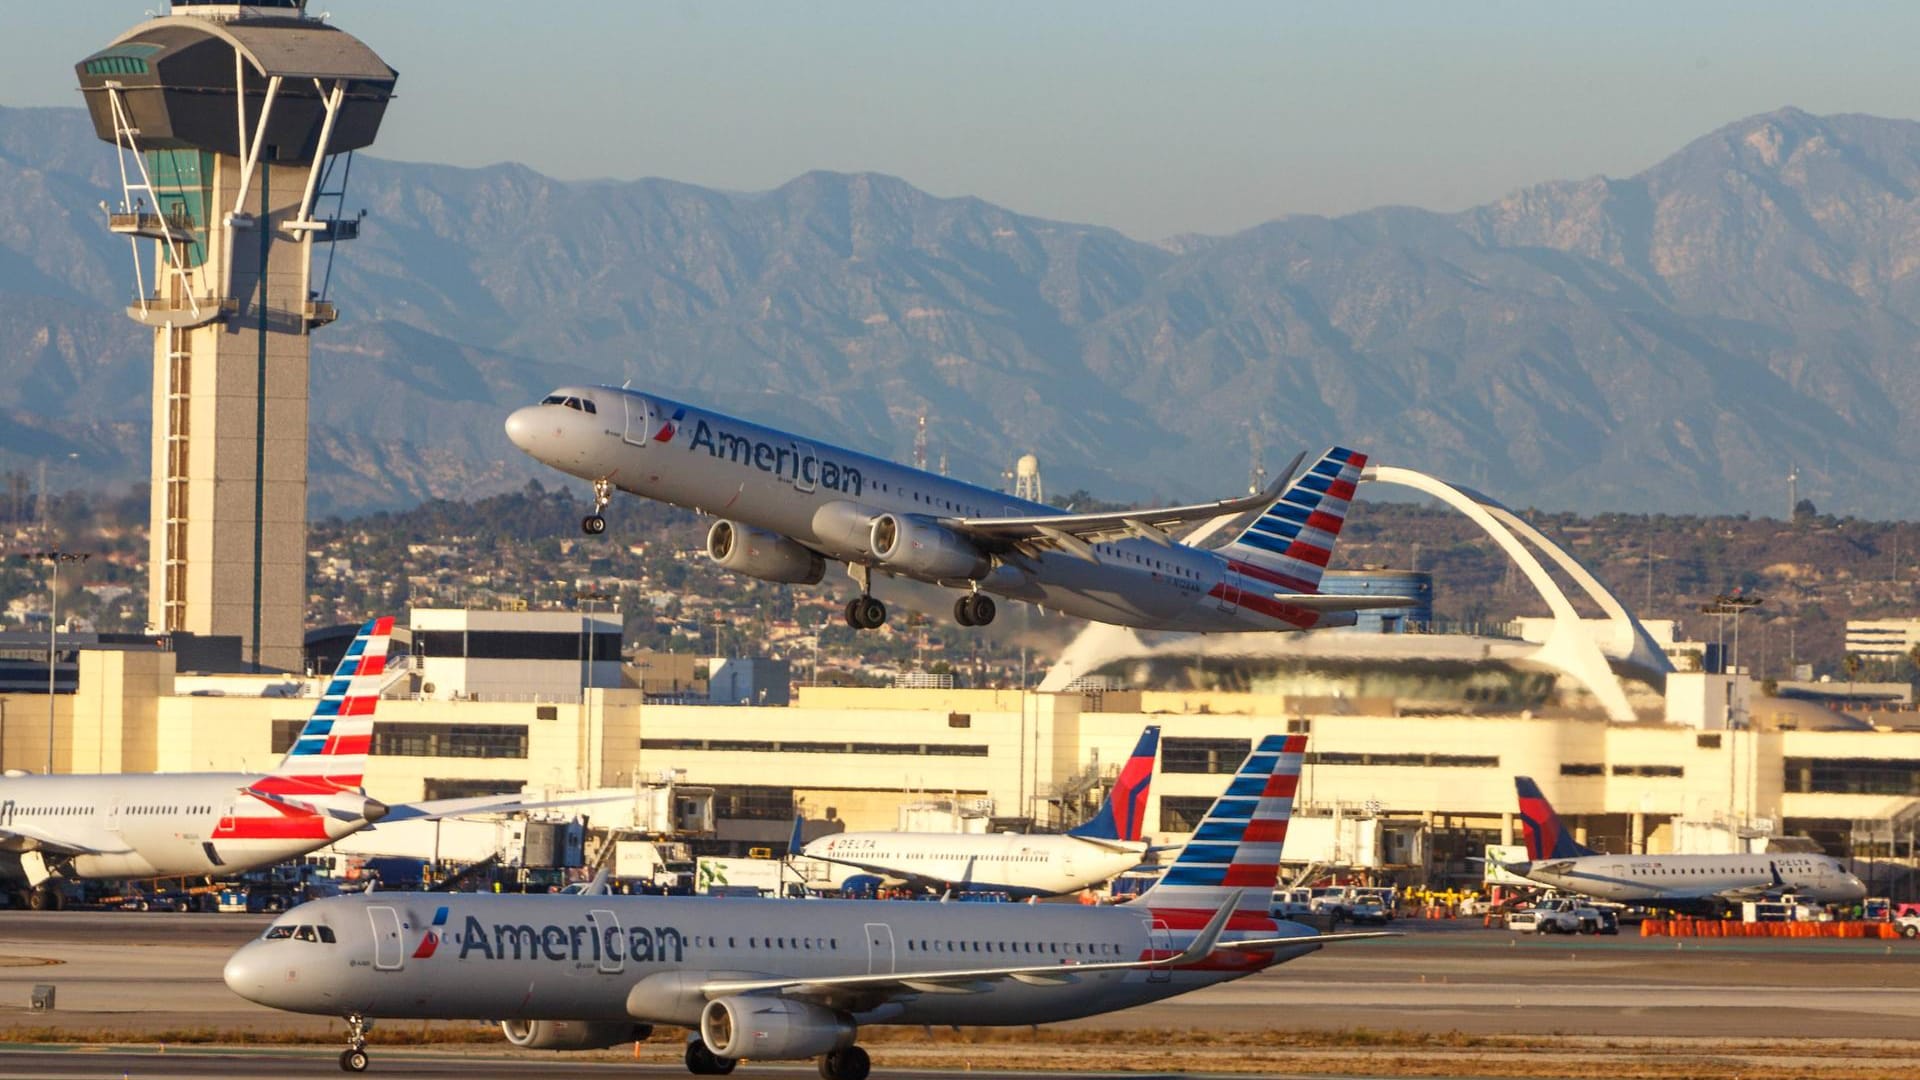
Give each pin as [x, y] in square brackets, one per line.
[919, 548]
[763, 1028]
[758, 553]
[572, 1034]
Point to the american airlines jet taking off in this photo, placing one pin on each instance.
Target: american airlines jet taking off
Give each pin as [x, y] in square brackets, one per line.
[1018, 864]
[789, 504]
[782, 979]
[1708, 883]
[180, 824]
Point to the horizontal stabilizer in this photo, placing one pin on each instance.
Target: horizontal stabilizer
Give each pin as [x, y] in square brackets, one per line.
[1323, 602]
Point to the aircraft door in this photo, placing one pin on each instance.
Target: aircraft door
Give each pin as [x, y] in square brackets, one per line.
[612, 950]
[1160, 940]
[879, 949]
[1230, 585]
[388, 951]
[112, 817]
[806, 468]
[640, 419]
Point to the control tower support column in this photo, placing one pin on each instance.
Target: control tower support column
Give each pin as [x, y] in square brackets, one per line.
[234, 125]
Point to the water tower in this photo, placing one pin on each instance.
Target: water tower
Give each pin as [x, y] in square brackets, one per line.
[1026, 479]
[235, 126]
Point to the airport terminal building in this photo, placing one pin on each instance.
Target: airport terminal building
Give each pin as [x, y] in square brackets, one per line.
[1403, 783]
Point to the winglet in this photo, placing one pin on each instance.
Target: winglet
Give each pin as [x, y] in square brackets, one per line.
[1208, 938]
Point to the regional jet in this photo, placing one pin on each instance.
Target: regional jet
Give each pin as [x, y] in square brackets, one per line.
[1017, 864]
[787, 505]
[1709, 884]
[785, 979]
[121, 826]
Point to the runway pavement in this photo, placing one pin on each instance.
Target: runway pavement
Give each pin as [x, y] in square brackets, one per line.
[158, 971]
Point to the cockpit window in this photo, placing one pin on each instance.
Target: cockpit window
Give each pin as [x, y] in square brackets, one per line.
[277, 933]
[587, 404]
[326, 934]
[305, 933]
[553, 399]
[575, 403]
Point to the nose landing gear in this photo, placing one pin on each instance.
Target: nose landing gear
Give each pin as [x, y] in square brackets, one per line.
[354, 1057]
[594, 524]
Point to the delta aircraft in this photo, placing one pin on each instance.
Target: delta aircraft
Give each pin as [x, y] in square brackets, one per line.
[123, 826]
[786, 979]
[1705, 883]
[1017, 864]
[787, 505]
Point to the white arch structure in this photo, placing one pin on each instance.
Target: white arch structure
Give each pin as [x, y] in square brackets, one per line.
[1574, 646]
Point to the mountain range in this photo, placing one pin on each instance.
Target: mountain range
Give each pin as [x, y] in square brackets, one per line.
[1673, 341]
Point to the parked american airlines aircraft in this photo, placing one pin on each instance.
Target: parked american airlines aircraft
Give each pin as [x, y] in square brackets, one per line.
[773, 979]
[788, 504]
[1021, 865]
[1710, 883]
[180, 824]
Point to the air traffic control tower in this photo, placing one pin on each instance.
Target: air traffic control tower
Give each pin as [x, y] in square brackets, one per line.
[235, 126]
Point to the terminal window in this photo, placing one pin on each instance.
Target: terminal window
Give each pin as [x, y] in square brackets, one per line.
[452, 788]
[1182, 813]
[753, 802]
[1202, 756]
[1853, 776]
[1648, 770]
[450, 740]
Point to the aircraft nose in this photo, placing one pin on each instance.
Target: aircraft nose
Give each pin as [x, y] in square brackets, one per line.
[521, 424]
[245, 973]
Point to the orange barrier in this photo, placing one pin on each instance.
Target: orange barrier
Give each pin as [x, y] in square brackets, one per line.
[1685, 926]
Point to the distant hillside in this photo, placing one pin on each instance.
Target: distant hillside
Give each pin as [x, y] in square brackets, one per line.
[1671, 341]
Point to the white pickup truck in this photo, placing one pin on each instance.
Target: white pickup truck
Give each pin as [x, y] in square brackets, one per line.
[1563, 916]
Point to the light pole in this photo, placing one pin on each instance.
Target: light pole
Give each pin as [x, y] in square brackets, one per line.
[589, 775]
[53, 559]
[1736, 604]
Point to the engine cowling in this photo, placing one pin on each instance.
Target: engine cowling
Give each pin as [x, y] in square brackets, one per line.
[758, 553]
[572, 1034]
[769, 1028]
[919, 548]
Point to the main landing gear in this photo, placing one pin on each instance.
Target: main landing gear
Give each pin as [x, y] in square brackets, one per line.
[354, 1057]
[594, 524]
[704, 1062]
[973, 609]
[863, 611]
[850, 1063]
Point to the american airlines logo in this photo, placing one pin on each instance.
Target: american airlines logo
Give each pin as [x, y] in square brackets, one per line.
[790, 462]
[573, 941]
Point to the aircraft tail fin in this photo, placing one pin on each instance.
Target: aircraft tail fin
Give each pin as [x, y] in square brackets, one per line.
[1289, 544]
[1236, 847]
[1547, 838]
[1124, 813]
[330, 752]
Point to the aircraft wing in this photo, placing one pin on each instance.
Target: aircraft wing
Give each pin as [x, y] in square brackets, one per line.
[28, 838]
[484, 804]
[1074, 533]
[864, 991]
[1308, 939]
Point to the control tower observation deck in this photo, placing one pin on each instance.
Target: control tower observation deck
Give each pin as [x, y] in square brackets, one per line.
[235, 126]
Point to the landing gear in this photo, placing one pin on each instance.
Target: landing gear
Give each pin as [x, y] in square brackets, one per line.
[593, 524]
[354, 1057]
[703, 1062]
[863, 611]
[973, 609]
[866, 613]
[44, 898]
[850, 1063]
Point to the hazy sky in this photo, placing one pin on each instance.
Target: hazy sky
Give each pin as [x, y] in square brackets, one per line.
[1156, 119]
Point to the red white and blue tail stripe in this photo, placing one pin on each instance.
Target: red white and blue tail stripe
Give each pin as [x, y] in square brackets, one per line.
[331, 751]
[1288, 545]
[1236, 847]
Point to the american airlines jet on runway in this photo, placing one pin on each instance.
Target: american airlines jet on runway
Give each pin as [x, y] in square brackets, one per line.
[1706, 883]
[788, 504]
[186, 824]
[1017, 864]
[779, 979]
